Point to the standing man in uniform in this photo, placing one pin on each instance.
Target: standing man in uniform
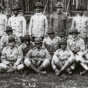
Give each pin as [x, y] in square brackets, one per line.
[38, 24]
[17, 22]
[3, 22]
[80, 23]
[58, 19]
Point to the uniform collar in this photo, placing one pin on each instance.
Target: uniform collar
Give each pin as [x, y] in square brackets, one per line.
[40, 48]
[39, 13]
[16, 16]
[74, 39]
[81, 16]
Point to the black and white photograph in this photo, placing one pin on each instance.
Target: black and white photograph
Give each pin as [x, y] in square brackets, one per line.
[43, 43]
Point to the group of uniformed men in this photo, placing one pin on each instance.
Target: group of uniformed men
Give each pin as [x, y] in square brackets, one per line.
[43, 45]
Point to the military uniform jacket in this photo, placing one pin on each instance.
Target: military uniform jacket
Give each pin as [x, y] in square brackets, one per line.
[63, 56]
[9, 55]
[57, 22]
[4, 40]
[42, 53]
[51, 44]
[3, 23]
[18, 25]
[38, 25]
[80, 23]
[77, 43]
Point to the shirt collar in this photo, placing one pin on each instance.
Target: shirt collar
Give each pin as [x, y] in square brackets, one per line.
[39, 13]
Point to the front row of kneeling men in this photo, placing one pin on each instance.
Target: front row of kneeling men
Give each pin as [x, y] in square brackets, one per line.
[58, 52]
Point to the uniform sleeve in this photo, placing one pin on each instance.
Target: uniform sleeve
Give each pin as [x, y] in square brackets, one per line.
[30, 26]
[44, 43]
[51, 21]
[55, 56]
[18, 40]
[9, 22]
[6, 21]
[24, 27]
[73, 24]
[68, 46]
[29, 54]
[20, 57]
[46, 25]
[3, 57]
[82, 45]
[2, 42]
[47, 55]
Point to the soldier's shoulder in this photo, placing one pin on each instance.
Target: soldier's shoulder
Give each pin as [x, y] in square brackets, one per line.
[58, 50]
[53, 14]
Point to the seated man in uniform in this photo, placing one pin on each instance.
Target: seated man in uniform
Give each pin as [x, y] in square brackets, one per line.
[11, 57]
[62, 56]
[38, 58]
[51, 42]
[9, 33]
[26, 44]
[77, 46]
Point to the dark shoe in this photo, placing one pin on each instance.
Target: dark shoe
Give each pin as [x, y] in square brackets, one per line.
[42, 72]
[59, 73]
[10, 70]
[83, 73]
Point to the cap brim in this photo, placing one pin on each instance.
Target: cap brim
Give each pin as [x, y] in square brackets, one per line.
[80, 9]
[38, 42]
[38, 6]
[16, 8]
[63, 44]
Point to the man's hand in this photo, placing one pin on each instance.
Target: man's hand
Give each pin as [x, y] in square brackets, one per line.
[14, 67]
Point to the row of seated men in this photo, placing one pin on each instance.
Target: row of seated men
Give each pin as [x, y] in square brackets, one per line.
[60, 52]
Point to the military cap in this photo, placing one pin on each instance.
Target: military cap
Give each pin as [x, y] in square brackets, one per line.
[26, 38]
[59, 5]
[38, 4]
[63, 42]
[74, 31]
[16, 7]
[38, 40]
[62, 33]
[9, 29]
[50, 31]
[80, 7]
[11, 39]
[1, 7]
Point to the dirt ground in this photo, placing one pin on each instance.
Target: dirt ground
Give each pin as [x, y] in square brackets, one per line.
[32, 80]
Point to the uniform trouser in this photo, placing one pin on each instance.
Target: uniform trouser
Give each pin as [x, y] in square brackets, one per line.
[55, 60]
[4, 66]
[28, 62]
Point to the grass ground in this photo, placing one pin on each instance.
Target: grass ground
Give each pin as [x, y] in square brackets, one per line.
[38, 81]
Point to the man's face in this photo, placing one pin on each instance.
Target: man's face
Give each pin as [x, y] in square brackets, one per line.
[26, 42]
[38, 45]
[81, 12]
[9, 33]
[63, 46]
[74, 35]
[59, 10]
[12, 44]
[51, 35]
[16, 12]
[38, 9]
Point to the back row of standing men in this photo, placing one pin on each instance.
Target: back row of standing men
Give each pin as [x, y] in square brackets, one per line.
[40, 56]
